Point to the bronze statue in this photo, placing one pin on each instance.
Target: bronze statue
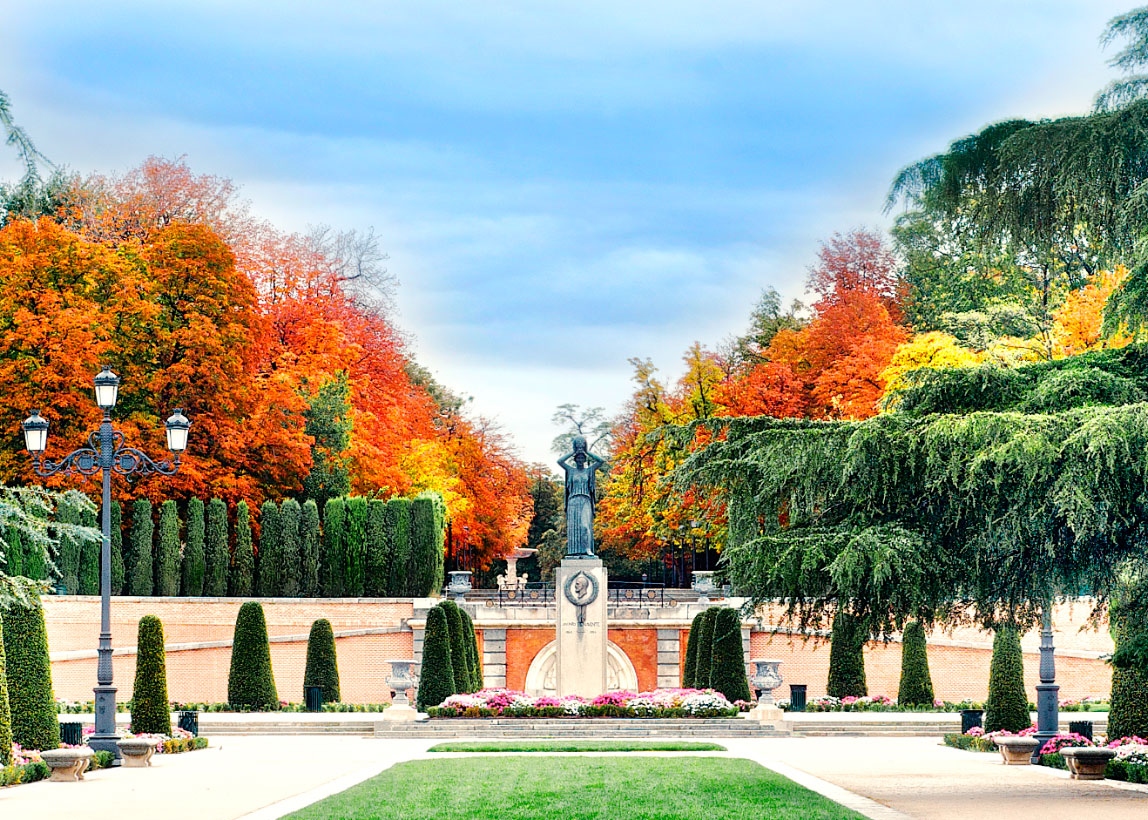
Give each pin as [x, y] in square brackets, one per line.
[581, 496]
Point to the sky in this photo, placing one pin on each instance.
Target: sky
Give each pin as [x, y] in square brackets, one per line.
[560, 186]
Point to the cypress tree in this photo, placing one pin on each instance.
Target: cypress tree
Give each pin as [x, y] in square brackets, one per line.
[119, 574]
[35, 565]
[67, 512]
[425, 552]
[309, 544]
[459, 657]
[1007, 706]
[267, 567]
[290, 548]
[847, 657]
[141, 580]
[375, 581]
[333, 558]
[704, 661]
[436, 683]
[689, 674]
[194, 553]
[475, 658]
[322, 664]
[13, 553]
[399, 532]
[89, 576]
[216, 555]
[167, 563]
[251, 682]
[727, 674]
[356, 543]
[29, 673]
[242, 582]
[151, 713]
[916, 687]
[1128, 715]
[5, 710]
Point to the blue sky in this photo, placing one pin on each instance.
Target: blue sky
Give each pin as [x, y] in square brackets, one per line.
[560, 185]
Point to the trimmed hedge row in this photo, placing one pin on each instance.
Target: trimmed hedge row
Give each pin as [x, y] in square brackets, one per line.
[450, 661]
[714, 655]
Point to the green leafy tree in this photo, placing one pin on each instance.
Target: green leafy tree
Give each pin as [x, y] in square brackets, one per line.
[290, 548]
[322, 665]
[705, 652]
[216, 555]
[5, 710]
[436, 681]
[167, 565]
[356, 546]
[33, 706]
[328, 423]
[251, 682]
[194, 554]
[89, 576]
[916, 687]
[333, 560]
[398, 526]
[119, 566]
[309, 545]
[727, 672]
[151, 713]
[242, 583]
[459, 656]
[690, 672]
[142, 579]
[847, 657]
[1007, 706]
[270, 558]
[377, 552]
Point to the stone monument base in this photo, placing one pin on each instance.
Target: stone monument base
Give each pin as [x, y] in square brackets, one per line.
[400, 713]
[580, 588]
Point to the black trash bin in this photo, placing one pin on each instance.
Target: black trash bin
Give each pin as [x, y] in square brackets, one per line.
[189, 722]
[72, 734]
[313, 698]
[797, 697]
[971, 718]
[1081, 727]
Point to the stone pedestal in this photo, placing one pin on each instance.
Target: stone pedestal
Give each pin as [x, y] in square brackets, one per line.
[580, 587]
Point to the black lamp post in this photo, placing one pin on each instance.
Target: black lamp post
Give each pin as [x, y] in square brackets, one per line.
[106, 453]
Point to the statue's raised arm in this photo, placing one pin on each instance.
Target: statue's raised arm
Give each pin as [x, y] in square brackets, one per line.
[580, 465]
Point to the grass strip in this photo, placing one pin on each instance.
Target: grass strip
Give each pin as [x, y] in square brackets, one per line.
[577, 746]
[577, 788]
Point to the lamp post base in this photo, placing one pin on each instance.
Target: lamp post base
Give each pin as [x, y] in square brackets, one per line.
[105, 737]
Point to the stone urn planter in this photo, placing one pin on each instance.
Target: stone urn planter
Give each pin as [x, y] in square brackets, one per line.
[459, 583]
[68, 765]
[1086, 763]
[136, 751]
[703, 583]
[1016, 749]
[401, 679]
[766, 678]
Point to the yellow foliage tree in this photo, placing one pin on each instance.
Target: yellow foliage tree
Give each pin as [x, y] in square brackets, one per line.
[934, 350]
[1076, 323]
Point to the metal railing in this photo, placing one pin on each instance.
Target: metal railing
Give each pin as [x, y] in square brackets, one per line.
[620, 594]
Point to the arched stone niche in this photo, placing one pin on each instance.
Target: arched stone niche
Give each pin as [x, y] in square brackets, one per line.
[541, 678]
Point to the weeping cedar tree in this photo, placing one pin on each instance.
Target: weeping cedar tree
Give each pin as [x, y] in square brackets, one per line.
[167, 567]
[309, 544]
[1007, 706]
[1128, 715]
[375, 573]
[399, 529]
[916, 687]
[290, 563]
[242, 582]
[331, 564]
[704, 662]
[474, 658]
[847, 657]
[5, 711]
[29, 675]
[251, 683]
[436, 683]
[194, 558]
[355, 544]
[690, 672]
[151, 712]
[322, 666]
[119, 576]
[267, 570]
[459, 657]
[727, 673]
[217, 556]
[141, 580]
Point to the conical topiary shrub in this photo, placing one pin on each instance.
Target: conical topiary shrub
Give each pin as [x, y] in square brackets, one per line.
[251, 683]
[847, 657]
[705, 653]
[322, 664]
[1128, 614]
[436, 681]
[29, 673]
[458, 654]
[150, 710]
[727, 673]
[1007, 706]
[690, 672]
[916, 687]
[5, 711]
[476, 682]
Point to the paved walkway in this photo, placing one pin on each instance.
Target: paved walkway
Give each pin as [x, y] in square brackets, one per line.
[262, 778]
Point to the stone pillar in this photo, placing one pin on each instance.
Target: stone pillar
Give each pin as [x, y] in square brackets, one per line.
[669, 658]
[494, 658]
[580, 587]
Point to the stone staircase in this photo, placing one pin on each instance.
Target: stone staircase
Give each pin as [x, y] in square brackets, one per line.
[570, 729]
[359, 728]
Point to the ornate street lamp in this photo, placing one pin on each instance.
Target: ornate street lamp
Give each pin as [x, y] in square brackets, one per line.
[106, 453]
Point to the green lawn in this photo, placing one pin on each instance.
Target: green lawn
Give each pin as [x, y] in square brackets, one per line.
[577, 788]
[577, 746]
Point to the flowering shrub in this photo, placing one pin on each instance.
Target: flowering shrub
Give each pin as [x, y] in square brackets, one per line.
[660, 703]
[878, 703]
[1130, 740]
[1063, 741]
[976, 731]
[1086, 704]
